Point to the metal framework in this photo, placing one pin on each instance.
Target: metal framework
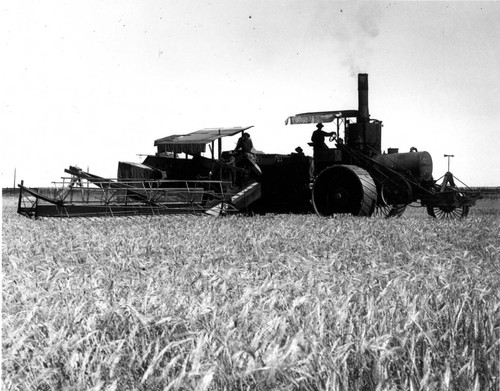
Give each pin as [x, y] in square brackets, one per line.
[87, 195]
[83, 198]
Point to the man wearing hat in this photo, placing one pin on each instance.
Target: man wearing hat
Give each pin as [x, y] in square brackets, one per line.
[318, 138]
[299, 151]
[244, 144]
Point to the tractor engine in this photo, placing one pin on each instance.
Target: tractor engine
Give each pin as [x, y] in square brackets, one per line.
[365, 135]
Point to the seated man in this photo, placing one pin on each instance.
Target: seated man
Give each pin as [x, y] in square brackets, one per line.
[244, 154]
[245, 146]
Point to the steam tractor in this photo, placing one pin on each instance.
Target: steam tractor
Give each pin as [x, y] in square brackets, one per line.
[184, 176]
[357, 178]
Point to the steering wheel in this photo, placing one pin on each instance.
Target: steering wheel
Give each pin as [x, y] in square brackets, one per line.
[332, 137]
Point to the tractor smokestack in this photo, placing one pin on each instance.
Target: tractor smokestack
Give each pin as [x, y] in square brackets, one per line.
[363, 113]
[364, 134]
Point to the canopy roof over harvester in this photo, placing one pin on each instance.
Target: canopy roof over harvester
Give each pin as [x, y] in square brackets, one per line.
[195, 142]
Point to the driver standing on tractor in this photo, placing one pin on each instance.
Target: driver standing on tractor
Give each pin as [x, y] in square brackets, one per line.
[318, 138]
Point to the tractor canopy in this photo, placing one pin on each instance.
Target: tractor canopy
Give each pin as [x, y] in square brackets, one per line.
[320, 116]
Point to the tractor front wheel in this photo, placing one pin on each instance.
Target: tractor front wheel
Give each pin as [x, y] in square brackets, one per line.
[448, 212]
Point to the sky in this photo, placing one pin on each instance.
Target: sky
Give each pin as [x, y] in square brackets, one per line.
[94, 82]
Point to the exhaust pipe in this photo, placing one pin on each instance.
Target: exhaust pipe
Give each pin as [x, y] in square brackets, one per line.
[364, 135]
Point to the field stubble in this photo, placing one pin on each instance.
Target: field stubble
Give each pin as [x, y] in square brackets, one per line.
[265, 302]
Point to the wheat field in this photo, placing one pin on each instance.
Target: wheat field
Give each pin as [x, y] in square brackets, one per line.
[251, 303]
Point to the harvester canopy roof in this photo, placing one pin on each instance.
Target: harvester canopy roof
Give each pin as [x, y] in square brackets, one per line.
[196, 142]
[320, 116]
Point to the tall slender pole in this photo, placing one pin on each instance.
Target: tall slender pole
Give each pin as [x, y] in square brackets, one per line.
[449, 156]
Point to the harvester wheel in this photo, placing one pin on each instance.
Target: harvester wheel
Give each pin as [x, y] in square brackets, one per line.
[389, 211]
[344, 189]
[448, 213]
[396, 192]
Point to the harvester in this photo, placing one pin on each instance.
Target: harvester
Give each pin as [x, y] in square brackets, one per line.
[184, 176]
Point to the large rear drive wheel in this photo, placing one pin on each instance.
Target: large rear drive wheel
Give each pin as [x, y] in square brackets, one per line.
[344, 189]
